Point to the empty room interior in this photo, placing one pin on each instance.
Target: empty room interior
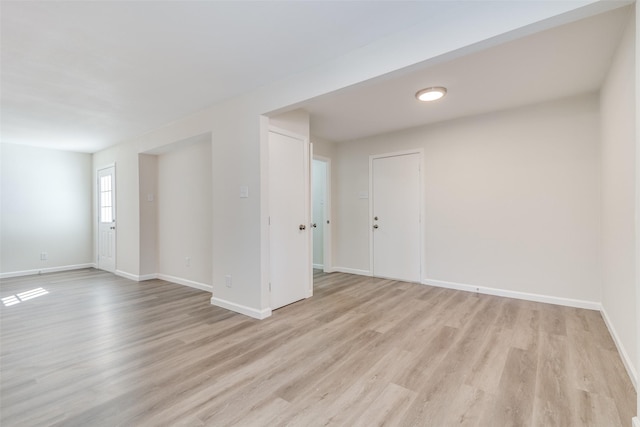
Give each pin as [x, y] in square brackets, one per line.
[300, 213]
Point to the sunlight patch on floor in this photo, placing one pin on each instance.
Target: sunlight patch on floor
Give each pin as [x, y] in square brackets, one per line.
[23, 296]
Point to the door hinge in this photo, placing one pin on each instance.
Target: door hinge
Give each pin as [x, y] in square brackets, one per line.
[269, 286]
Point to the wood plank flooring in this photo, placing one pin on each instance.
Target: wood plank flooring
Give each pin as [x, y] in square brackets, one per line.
[99, 350]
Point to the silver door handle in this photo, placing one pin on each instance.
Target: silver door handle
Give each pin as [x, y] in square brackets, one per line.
[314, 225]
[375, 226]
[302, 227]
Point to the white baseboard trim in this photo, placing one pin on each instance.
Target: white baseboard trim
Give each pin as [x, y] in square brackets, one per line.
[242, 309]
[352, 271]
[185, 282]
[318, 266]
[626, 360]
[126, 275]
[590, 305]
[45, 270]
[636, 422]
[172, 279]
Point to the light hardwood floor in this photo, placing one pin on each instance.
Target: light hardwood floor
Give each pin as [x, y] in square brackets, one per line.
[99, 350]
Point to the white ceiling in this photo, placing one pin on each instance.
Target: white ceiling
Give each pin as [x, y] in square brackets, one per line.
[85, 75]
[563, 61]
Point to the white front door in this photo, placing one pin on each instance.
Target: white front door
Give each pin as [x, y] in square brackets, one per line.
[290, 228]
[395, 214]
[107, 219]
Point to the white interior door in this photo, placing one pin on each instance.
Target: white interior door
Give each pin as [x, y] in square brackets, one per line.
[107, 219]
[395, 213]
[290, 228]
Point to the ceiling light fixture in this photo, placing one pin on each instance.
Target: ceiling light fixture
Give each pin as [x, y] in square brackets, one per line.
[431, 94]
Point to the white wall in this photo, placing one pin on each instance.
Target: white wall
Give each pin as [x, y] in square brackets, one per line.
[46, 207]
[323, 147]
[238, 131]
[619, 257]
[511, 199]
[148, 183]
[184, 212]
[296, 121]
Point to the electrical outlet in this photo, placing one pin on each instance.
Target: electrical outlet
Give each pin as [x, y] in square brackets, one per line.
[43, 256]
[187, 261]
[227, 280]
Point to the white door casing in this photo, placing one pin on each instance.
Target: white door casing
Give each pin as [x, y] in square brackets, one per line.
[395, 215]
[106, 190]
[290, 272]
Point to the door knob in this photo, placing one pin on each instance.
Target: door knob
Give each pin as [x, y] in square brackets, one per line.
[375, 218]
[375, 226]
[302, 227]
[314, 225]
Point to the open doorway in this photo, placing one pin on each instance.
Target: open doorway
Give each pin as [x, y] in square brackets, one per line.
[321, 212]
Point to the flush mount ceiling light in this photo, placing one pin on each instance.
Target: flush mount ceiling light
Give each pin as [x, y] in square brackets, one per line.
[431, 94]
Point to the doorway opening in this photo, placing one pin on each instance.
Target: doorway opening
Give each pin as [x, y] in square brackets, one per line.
[321, 213]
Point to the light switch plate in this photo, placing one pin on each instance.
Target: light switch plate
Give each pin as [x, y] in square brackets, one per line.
[244, 192]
